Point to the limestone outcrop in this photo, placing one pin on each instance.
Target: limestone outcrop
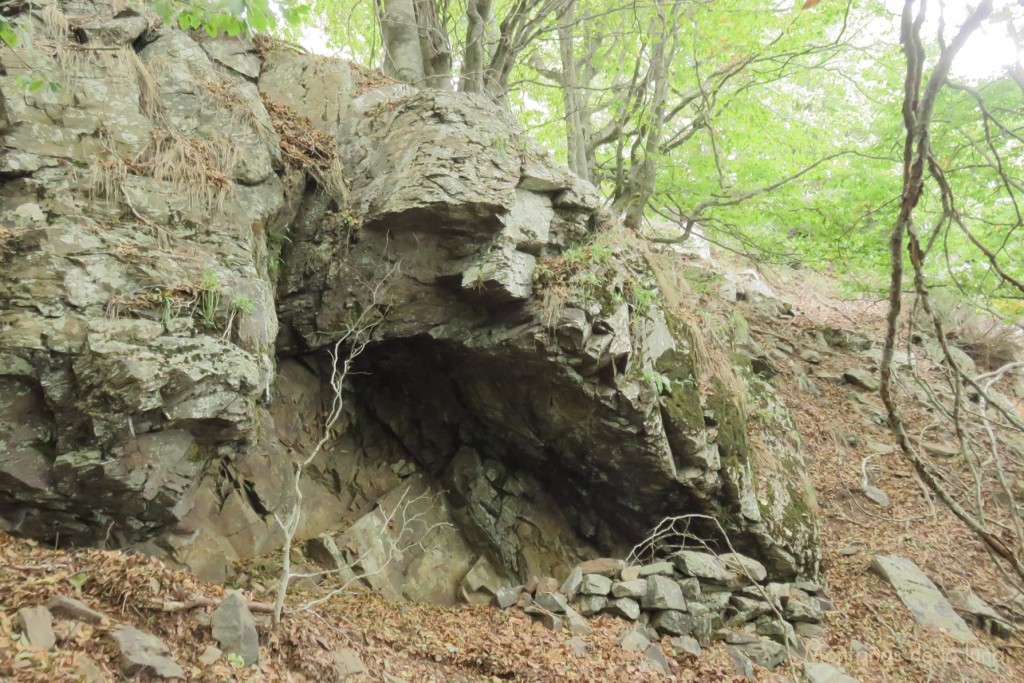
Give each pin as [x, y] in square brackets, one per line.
[187, 225]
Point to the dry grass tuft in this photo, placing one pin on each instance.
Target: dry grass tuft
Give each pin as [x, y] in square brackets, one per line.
[710, 340]
[198, 170]
[55, 24]
[149, 95]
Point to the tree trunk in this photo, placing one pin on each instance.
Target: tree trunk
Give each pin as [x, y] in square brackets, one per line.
[478, 16]
[434, 49]
[576, 115]
[403, 57]
[644, 169]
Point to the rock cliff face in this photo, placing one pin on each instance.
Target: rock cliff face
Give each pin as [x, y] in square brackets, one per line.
[188, 224]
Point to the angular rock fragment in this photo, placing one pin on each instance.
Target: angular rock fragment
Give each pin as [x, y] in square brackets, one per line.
[632, 639]
[603, 566]
[673, 623]
[577, 624]
[663, 593]
[144, 653]
[656, 659]
[766, 653]
[927, 605]
[662, 568]
[624, 607]
[635, 589]
[70, 608]
[591, 604]
[348, 662]
[820, 672]
[684, 645]
[707, 567]
[552, 602]
[572, 584]
[595, 584]
[36, 626]
[745, 566]
[234, 628]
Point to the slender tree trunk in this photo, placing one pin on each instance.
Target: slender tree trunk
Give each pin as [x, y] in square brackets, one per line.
[574, 100]
[478, 16]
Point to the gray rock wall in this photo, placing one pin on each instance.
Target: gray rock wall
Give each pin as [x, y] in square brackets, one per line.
[170, 278]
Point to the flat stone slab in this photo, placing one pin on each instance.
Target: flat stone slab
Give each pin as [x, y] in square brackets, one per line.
[826, 673]
[36, 624]
[927, 605]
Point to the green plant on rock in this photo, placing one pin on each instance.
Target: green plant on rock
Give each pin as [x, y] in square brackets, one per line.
[209, 298]
[661, 382]
[242, 304]
[642, 298]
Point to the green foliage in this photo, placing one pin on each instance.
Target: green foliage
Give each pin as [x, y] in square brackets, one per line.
[8, 35]
[77, 580]
[38, 83]
[643, 299]
[242, 304]
[232, 17]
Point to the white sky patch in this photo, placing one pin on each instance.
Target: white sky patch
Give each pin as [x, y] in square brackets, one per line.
[315, 40]
[989, 51]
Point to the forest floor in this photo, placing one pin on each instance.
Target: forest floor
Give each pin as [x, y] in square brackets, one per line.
[870, 634]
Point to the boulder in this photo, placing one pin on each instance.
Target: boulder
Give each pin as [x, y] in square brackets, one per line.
[234, 628]
[663, 594]
[591, 604]
[144, 654]
[672, 622]
[595, 584]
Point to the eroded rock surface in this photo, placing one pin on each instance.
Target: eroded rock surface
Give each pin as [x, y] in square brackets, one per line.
[172, 278]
